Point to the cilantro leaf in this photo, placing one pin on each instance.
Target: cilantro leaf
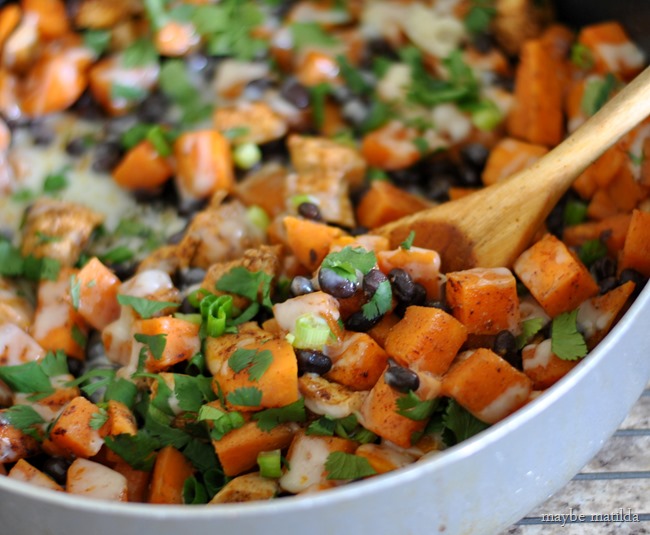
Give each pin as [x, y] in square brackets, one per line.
[461, 423]
[380, 302]
[575, 212]
[324, 426]
[566, 341]
[121, 390]
[137, 450]
[592, 250]
[318, 98]
[412, 407]
[97, 40]
[55, 363]
[529, 328]
[341, 465]
[24, 418]
[98, 419]
[354, 80]
[55, 182]
[192, 392]
[581, 56]
[145, 308]
[408, 242]
[155, 342]
[596, 93]
[250, 284]
[310, 33]
[26, 378]
[259, 362]
[245, 396]
[222, 421]
[269, 418]
[348, 260]
[479, 16]
[140, 53]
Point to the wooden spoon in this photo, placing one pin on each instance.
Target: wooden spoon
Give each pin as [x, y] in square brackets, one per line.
[491, 227]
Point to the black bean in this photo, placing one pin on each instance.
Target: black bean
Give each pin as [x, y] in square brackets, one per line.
[381, 47]
[607, 284]
[87, 107]
[295, 93]
[42, 134]
[189, 207]
[190, 276]
[401, 379]
[186, 307]
[77, 146]
[358, 322]
[434, 303]
[310, 210]
[336, 285]
[57, 468]
[468, 177]
[311, 361]
[153, 108]
[419, 295]
[301, 286]
[514, 359]
[123, 270]
[372, 280]
[107, 155]
[255, 89]
[483, 42]
[75, 366]
[404, 177]
[603, 268]
[505, 82]
[475, 155]
[438, 188]
[504, 343]
[402, 283]
[359, 230]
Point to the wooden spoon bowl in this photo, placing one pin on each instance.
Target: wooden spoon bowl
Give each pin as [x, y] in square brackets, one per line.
[492, 227]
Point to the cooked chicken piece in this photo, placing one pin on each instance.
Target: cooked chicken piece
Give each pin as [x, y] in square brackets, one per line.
[99, 14]
[317, 154]
[218, 234]
[257, 121]
[519, 20]
[331, 399]
[266, 258]
[164, 258]
[58, 230]
[218, 350]
[14, 444]
[247, 488]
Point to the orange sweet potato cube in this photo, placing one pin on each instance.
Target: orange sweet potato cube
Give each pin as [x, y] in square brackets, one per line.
[309, 240]
[358, 363]
[15, 444]
[508, 157]
[170, 471]
[181, 341]
[73, 432]
[484, 299]
[97, 286]
[379, 415]
[543, 367]
[23, 471]
[426, 339]
[379, 333]
[486, 385]
[636, 250]
[555, 276]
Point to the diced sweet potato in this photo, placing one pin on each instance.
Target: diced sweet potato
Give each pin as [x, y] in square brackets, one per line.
[98, 287]
[120, 419]
[379, 333]
[384, 203]
[636, 251]
[358, 362]
[426, 339]
[142, 168]
[509, 156]
[73, 432]
[265, 188]
[94, 480]
[612, 49]
[423, 265]
[181, 341]
[257, 120]
[176, 38]
[247, 488]
[486, 385]
[543, 367]
[309, 240]
[611, 230]
[50, 15]
[170, 471]
[537, 115]
[379, 415]
[555, 276]
[238, 450]
[328, 398]
[306, 459]
[23, 471]
[484, 299]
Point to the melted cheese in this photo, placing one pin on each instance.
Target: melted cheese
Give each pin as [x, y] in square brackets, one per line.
[541, 355]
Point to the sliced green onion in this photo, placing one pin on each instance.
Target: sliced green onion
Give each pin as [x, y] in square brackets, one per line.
[311, 332]
[258, 216]
[156, 136]
[195, 297]
[215, 311]
[191, 318]
[487, 116]
[270, 463]
[297, 200]
[246, 155]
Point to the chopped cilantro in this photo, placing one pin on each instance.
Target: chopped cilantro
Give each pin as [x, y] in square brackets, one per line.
[55, 182]
[55, 363]
[23, 195]
[318, 98]
[408, 242]
[324, 426]
[146, 308]
[380, 302]
[160, 141]
[97, 40]
[127, 92]
[575, 212]
[98, 419]
[413, 408]
[378, 115]
[137, 450]
[155, 342]
[596, 93]
[479, 16]
[636, 160]
[24, 418]
[192, 392]
[26, 378]
[117, 255]
[310, 34]
[140, 53]
[46, 238]
[592, 250]
[581, 56]
[194, 493]
[175, 83]
[461, 423]
[341, 465]
[11, 261]
[121, 390]
[529, 328]
[78, 336]
[348, 260]
[222, 422]
[422, 145]
[257, 362]
[250, 284]
[269, 418]
[93, 380]
[566, 341]
[245, 396]
[354, 80]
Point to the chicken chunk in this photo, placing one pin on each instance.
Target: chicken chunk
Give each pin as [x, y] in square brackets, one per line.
[247, 488]
[58, 230]
[519, 20]
[259, 123]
